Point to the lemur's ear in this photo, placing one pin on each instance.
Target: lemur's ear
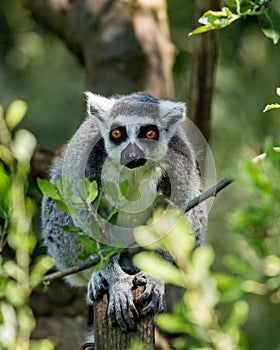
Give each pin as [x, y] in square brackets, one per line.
[98, 106]
[172, 112]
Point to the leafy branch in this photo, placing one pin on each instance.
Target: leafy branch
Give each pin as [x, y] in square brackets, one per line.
[269, 20]
[95, 252]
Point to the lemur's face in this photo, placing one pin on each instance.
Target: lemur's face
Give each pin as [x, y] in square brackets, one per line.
[132, 144]
[137, 129]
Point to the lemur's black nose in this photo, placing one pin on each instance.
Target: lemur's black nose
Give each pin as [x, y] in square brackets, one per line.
[132, 156]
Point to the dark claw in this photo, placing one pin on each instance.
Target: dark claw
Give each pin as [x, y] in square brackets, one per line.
[154, 296]
[139, 280]
[121, 310]
[157, 305]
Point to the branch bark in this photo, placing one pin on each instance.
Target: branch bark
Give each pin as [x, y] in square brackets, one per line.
[123, 44]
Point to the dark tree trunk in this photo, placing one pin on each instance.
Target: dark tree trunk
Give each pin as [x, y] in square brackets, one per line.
[203, 72]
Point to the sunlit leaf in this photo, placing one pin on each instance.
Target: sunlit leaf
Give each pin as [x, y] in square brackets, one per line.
[238, 314]
[159, 268]
[173, 324]
[271, 106]
[15, 113]
[92, 190]
[88, 190]
[212, 20]
[23, 146]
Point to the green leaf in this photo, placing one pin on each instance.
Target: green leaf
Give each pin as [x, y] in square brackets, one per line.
[71, 229]
[173, 324]
[212, 20]
[48, 189]
[231, 3]
[5, 184]
[159, 268]
[62, 207]
[110, 250]
[58, 184]
[124, 187]
[238, 314]
[236, 265]
[89, 246]
[15, 113]
[230, 288]
[92, 190]
[88, 190]
[269, 22]
[112, 191]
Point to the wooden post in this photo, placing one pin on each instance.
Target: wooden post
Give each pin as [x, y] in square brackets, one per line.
[108, 338]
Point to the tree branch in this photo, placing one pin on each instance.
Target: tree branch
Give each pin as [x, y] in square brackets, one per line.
[124, 45]
[211, 192]
[94, 260]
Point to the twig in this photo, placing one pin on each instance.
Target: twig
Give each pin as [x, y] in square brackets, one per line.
[211, 192]
[73, 269]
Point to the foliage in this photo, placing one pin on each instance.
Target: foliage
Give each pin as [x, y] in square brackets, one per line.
[197, 322]
[87, 200]
[269, 20]
[196, 318]
[258, 219]
[269, 107]
[19, 274]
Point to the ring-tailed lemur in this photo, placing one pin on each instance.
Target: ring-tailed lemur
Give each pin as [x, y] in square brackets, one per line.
[137, 138]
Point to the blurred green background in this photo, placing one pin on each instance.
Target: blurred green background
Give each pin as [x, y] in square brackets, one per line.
[36, 67]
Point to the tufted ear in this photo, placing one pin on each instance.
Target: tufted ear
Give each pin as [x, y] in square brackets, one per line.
[172, 112]
[98, 106]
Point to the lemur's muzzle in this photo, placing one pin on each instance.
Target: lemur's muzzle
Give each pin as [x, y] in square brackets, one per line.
[132, 156]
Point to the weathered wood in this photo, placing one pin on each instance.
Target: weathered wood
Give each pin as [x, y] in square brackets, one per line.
[108, 338]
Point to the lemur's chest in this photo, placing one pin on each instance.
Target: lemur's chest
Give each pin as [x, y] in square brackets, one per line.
[133, 194]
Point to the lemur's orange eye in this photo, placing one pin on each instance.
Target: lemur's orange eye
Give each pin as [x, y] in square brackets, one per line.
[151, 134]
[116, 133]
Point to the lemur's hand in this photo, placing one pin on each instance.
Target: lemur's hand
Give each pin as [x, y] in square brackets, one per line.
[123, 310]
[97, 286]
[112, 279]
[153, 296]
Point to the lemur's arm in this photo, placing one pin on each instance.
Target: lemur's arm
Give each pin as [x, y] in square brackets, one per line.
[61, 246]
